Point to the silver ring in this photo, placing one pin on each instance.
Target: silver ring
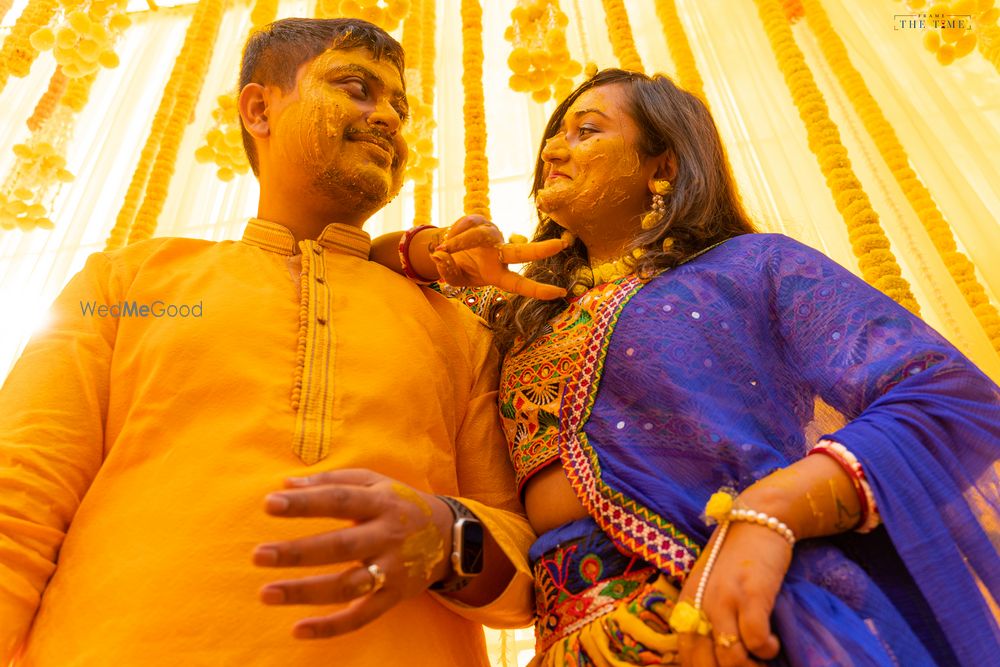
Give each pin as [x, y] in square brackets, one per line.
[378, 577]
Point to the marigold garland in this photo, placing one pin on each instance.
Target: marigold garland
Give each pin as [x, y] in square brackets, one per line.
[540, 59]
[84, 41]
[620, 34]
[989, 45]
[680, 48]
[477, 200]
[77, 92]
[187, 96]
[423, 191]
[40, 169]
[47, 102]
[868, 240]
[140, 178]
[5, 6]
[948, 41]
[959, 266]
[419, 129]
[17, 54]
[386, 14]
[224, 139]
[793, 10]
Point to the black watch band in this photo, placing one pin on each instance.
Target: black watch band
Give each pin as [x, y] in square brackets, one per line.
[466, 548]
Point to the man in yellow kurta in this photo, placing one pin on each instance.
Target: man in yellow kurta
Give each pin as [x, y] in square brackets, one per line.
[145, 435]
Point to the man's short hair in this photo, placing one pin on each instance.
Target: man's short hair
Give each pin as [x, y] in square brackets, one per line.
[273, 54]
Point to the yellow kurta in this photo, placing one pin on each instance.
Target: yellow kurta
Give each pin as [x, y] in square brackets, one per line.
[138, 450]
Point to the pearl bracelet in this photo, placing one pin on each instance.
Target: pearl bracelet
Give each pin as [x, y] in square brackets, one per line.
[766, 520]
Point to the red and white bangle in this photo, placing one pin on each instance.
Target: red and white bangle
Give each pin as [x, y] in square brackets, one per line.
[404, 254]
[870, 518]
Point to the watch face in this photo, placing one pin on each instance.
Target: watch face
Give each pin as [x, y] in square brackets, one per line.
[472, 547]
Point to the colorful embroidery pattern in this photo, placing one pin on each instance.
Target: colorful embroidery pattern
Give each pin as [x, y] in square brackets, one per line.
[634, 527]
[531, 386]
[579, 582]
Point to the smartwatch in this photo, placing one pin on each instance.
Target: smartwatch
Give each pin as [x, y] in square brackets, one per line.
[467, 541]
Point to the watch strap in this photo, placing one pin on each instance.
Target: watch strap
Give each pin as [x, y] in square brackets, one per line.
[455, 581]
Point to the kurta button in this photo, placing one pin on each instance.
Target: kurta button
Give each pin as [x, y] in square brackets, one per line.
[321, 280]
[318, 250]
[321, 320]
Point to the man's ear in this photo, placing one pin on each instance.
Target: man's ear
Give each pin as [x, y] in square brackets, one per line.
[253, 106]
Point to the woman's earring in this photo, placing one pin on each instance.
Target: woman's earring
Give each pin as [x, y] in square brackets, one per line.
[661, 187]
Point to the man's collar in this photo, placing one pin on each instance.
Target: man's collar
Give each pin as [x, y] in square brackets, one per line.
[272, 237]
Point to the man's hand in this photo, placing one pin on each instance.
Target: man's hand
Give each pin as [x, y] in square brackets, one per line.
[474, 254]
[404, 532]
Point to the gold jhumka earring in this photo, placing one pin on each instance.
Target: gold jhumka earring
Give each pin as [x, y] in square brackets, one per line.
[661, 187]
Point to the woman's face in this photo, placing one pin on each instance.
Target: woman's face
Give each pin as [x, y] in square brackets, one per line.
[595, 181]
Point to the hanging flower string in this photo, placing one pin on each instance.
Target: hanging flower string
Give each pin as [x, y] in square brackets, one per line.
[989, 45]
[47, 102]
[187, 96]
[477, 199]
[224, 139]
[539, 60]
[40, 168]
[680, 48]
[793, 10]
[620, 34]
[84, 41]
[385, 14]
[423, 190]
[868, 240]
[17, 54]
[953, 29]
[418, 131]
[140, 178]
[961, 269]
[5, 6]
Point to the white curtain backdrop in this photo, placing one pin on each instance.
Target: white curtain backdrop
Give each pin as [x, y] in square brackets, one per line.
[947, 118]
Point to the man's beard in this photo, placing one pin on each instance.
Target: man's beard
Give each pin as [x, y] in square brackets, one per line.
[369, 193]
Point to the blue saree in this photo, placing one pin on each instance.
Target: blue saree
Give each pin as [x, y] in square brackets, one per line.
[709, 375]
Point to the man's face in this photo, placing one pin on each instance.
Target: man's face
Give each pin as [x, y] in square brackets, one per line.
[337, 132]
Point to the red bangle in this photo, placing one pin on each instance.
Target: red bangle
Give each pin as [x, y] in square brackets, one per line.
[853, 474]
[404, 254]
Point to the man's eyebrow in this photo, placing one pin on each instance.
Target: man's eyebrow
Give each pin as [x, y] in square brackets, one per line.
[397, 93]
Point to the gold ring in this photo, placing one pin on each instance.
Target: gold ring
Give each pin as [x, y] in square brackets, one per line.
[500, 254]
[378, 577]
[726, 641]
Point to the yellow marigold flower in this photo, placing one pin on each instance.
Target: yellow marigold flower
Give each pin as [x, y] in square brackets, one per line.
[719, 506]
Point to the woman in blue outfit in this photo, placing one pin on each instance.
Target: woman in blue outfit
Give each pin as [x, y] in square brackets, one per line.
[856, 451]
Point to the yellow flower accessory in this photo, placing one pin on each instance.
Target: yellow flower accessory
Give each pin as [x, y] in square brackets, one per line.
[719, 506]
[686, 618]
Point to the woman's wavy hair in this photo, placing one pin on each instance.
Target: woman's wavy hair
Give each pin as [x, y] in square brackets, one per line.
[704, 207]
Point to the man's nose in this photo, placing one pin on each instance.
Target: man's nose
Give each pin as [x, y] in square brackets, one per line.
[385, 117]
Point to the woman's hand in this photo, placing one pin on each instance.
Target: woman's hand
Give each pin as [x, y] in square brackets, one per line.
[474, 254]
[738, 599]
